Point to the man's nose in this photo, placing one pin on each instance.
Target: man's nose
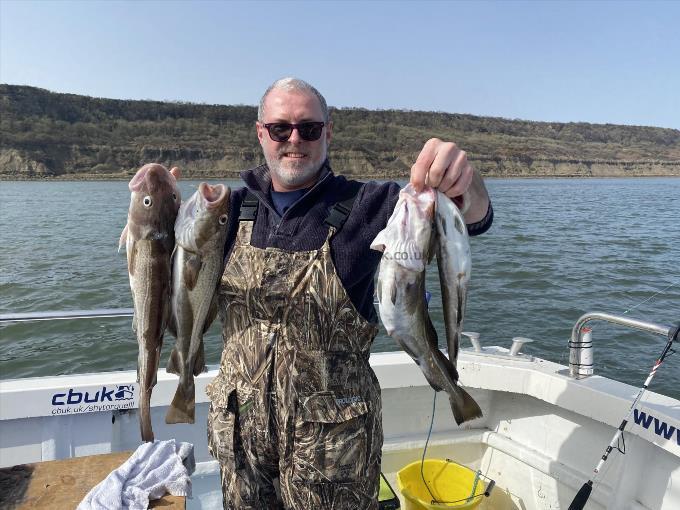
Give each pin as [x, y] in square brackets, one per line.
[295, 136]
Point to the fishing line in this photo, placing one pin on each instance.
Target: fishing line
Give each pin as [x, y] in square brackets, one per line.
[434, 500]
[650, 297]
[429, 433]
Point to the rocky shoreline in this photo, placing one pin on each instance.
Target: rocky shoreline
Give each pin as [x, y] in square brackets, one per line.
[53, 136]
[236, 176]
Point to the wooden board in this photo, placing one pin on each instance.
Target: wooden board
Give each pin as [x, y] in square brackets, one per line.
[64, 483]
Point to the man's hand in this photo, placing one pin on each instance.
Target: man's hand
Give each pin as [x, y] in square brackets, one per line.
[444, 166]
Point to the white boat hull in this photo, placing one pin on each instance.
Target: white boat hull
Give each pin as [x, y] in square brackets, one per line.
[541, 435]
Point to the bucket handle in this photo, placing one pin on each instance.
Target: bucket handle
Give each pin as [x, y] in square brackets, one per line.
[489, 486]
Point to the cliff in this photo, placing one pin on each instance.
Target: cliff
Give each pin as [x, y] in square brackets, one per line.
[45, 134]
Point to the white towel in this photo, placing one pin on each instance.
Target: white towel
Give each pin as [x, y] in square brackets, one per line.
[151, 471]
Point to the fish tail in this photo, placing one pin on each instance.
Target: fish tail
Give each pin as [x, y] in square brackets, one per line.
[183, 406]
[174, 363]
[464, 406]
[145, 416]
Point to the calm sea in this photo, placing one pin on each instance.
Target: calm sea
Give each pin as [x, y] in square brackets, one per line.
[557, 249]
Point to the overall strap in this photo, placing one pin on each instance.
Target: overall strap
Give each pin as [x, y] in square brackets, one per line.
[339, 213]
[249, 205]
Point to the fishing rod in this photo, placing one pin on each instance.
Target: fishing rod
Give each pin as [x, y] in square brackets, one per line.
[581, 498]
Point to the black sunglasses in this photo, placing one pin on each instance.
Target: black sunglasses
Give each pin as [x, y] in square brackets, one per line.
[281, 131]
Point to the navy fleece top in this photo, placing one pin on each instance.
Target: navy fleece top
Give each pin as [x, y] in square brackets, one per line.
[301, 227]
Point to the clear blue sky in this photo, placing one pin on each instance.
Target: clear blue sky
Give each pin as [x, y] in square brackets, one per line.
[604, 62]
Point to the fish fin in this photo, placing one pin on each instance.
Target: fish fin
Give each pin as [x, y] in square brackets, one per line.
[174, 363]
[123, 238]
[183, 406]
[134, 322]
[464, 406]
[199, 362]
[192, 266]
[439, 361]
[380, 241]
[131, 254]
[393, 293]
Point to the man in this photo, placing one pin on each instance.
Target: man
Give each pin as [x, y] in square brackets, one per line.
[295, 397]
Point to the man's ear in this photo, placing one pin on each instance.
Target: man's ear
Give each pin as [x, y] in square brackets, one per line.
[260, 131]
[329, 129]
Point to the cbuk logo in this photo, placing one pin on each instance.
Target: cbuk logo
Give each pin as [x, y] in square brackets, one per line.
[119, 393]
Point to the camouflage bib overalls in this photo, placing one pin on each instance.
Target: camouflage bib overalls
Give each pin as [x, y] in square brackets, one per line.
[295, 397]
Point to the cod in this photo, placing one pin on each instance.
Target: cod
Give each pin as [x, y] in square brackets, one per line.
[149, 239]
[200, 234]
[421, 225]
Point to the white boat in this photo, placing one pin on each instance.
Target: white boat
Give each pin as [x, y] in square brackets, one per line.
[545, 426]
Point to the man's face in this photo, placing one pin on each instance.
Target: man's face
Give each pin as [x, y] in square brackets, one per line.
[295, 163]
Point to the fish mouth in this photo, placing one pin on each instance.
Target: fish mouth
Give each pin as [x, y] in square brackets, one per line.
[150, 174]
[215, 195]
[423, 202]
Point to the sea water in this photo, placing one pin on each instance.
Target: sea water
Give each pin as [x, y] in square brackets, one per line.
[558, 248]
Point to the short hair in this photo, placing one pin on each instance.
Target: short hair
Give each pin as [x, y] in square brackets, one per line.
[293, 85]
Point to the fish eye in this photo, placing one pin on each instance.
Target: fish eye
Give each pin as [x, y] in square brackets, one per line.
[222, 219]
[147, 201]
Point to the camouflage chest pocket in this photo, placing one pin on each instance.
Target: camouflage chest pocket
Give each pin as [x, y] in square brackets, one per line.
[330, 439]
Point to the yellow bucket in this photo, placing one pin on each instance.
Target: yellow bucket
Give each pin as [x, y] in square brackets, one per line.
[452, 485]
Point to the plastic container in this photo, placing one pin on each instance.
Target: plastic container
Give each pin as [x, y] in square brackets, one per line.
[452, 485]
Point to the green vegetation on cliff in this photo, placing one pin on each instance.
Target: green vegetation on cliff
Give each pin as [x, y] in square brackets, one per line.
[48, 134]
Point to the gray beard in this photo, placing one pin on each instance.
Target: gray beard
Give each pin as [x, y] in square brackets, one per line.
[298, 176]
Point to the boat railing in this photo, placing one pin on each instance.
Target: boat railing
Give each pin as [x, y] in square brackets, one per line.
[66, 315]
[580, 345]
[581, 342]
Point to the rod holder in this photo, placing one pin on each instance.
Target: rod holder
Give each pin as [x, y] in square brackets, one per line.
[581, 355]
[517, 343]
[474, 338]
[581, 362]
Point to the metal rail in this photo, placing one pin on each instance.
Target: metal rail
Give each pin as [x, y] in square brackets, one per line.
[580, 345]
[68, 315]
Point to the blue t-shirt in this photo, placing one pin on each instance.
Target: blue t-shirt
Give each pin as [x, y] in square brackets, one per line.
[284, 199]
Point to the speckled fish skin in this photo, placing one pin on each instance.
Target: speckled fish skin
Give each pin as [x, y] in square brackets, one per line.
[200, 233]
[455, 264]
[408, 243]
[149, 239]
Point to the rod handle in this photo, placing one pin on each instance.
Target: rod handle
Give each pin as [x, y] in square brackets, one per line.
[582, 496]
